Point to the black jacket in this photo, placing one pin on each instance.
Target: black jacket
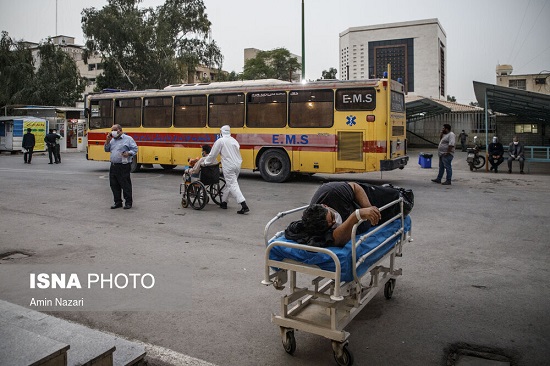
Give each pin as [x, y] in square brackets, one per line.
[28, 140]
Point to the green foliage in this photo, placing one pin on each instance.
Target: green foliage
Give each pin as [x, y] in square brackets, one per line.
[16, 71]
[274, 64]
[149, 48]
[57, 81]
[451, 98]
[330, 74]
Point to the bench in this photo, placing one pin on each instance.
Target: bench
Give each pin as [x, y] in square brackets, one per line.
[533, 154]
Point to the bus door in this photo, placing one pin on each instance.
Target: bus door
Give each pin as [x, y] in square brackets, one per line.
[350, 150]
[8, 139]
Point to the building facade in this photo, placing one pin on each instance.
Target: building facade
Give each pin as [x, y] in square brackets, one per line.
[416, 50]
[538, 83]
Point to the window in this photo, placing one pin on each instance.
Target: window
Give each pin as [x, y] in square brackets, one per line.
[101, 114]
[442, 68]
[266, 109]
[190, 111]
[397, 52]
[363, 99]
[397, 102]
[226, 109]
[526, 128]
[540, 81]
[157, 112]
[128, 112]
[311, 108]
[517, 84]
[91, 67]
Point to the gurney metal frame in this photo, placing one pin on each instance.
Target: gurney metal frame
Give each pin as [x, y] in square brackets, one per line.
[330, 304]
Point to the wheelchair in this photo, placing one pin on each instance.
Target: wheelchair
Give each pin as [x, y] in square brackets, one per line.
[196, 192]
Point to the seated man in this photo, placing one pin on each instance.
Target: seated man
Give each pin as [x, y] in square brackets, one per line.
[516, 153]
[335, 208]
[495, 151]
[195, 164]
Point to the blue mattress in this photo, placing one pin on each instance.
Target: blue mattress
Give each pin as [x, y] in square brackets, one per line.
[324, 261]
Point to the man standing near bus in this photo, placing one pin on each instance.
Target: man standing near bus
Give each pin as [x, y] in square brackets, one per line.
[446, 152]
[228, 148]
[123, 148]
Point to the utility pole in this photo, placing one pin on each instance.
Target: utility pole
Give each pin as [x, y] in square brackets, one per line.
[55, 35]
[303, 45]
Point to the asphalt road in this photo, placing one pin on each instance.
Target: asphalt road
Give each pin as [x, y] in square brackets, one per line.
[477, 273]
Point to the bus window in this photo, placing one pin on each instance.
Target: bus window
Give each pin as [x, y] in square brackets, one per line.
[128, 112]
[101, 114]
[311, 108]
[397, 102]
[363, 99]
[190, 111]
[266, 109]
[157, 112]
[226, 109]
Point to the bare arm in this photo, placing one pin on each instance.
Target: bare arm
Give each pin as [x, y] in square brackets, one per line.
[360, 195]
[342, 234]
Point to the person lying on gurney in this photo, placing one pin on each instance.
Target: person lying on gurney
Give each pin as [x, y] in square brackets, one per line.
[322, 223]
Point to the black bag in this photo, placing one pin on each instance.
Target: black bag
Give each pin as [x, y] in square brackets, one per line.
[381, 195]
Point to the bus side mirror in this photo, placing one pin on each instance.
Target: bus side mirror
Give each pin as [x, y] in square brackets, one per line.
[86, 112]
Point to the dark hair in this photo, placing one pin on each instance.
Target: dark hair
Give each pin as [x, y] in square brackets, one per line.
[314, 219]
[447, 126]
[51, 130]
[206, 148]
[29, 130]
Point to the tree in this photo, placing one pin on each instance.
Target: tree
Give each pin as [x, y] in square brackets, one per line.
[57, 81]
[474, 104]
[16, 71]
[330, 74]
[274, 64]
[149, 48]
[451, 98]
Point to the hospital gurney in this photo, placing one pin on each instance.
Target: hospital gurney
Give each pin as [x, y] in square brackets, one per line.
[337, 293]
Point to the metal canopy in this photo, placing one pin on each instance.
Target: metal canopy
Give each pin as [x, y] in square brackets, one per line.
[521, 103]
[425, 107]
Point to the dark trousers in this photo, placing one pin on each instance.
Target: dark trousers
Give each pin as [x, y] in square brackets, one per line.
[495, 162]
[28, 155]
[119, 179]
[51, 152]
[58, 153]
[521, 163]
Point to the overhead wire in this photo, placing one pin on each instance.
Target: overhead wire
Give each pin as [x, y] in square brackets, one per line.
[530, 30]
[519, 30]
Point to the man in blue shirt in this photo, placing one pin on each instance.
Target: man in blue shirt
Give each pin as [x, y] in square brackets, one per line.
[123, 148]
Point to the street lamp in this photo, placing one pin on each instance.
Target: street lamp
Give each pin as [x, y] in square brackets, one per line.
[303, 45]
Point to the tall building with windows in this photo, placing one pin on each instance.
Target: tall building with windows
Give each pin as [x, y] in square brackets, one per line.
[416, 50]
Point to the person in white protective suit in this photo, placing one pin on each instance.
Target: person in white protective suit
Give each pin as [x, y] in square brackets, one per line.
[228, 148]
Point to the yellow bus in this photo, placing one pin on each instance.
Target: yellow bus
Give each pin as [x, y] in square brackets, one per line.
[283, 128]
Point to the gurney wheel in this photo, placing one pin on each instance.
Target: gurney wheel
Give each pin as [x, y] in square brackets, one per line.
[289, 342]
[388, 288]
[346, 359]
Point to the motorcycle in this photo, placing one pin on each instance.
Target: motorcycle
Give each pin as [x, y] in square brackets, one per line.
[474, 159]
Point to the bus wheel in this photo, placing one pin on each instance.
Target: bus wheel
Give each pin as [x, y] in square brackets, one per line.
[167, 166]
[135, 166]
[274, 166]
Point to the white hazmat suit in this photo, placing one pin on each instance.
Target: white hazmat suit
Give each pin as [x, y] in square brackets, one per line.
[229, 150]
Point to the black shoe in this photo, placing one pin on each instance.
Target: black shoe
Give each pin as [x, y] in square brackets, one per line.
[492, 169]
[521, 172]
[436, 181]
[496, 170]
[127, 206]
[57, 162]
[446, 183]
[243, 210]
[509, 171]
[116, 205]
[50, 163]
[223, 205]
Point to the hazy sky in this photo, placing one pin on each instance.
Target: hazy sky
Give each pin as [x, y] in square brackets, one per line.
[480, 33]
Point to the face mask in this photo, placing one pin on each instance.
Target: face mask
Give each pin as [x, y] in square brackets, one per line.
[114, 133]
[494, 141]
[516, 142]
[337, 218]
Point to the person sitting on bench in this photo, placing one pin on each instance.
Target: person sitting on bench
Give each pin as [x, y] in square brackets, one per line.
[516, 153]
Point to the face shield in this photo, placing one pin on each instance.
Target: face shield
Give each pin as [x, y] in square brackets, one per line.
[225, 131]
